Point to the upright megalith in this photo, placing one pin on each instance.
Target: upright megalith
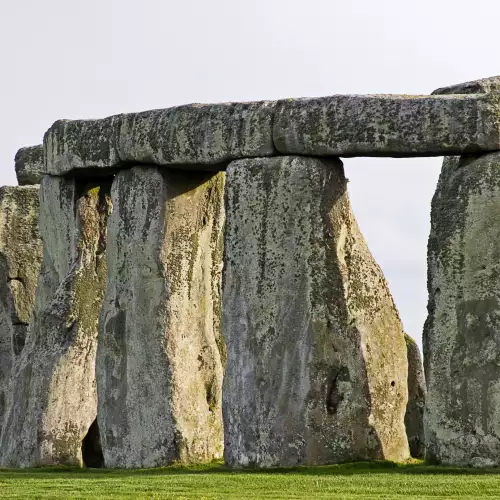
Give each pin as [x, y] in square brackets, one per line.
[52, 403]
[161, 356]
[461, 338]
[414, 417]
[20, 260]
[316, 358]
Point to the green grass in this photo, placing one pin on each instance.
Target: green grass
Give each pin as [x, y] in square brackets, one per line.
[347, 481]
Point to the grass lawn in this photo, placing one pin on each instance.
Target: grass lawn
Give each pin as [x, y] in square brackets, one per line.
[361, 480]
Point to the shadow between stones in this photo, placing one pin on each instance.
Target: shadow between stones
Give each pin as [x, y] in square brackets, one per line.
[91, 448]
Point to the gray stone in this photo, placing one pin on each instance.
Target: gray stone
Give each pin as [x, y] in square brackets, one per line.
[20, 260]
[29, 165]
[207, 135]
[482, 86]
[316, 357]
[53, 398]
[462, 333]
[388, 125]
[160, 357]
[414, 417]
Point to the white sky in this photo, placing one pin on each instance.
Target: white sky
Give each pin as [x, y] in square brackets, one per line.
[93, 58]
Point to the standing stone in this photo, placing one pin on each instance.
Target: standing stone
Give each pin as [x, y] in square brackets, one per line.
[316, 358]
[29, 165]
[53, 397]
[461, 337]
[160, 357]
[20, 260]
[414, 418]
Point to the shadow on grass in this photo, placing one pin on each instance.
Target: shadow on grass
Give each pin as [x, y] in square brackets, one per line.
[346, 469]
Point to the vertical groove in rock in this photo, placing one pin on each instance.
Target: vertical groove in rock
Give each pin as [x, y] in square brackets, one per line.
[316, 358]
[160, 355]
[53, 397]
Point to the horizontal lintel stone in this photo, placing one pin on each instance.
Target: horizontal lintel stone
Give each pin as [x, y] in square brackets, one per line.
[29, 165]
[208, 135]
[388, 125]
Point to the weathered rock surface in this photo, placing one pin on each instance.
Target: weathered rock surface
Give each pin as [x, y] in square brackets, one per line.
[53, 396]
[29, 165]
[210, 135]
[203, 134]
[388, 125]
[316, 356]
[20, 260]
[160, 356]
[461, 337]
[414, 417]
[482, 86]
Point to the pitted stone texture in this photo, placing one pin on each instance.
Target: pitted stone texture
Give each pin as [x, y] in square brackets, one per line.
[388, 125]
[53, 397]
[482, 86]
[414, 418]
[203, 134]
[316, 357]
[20, 260]
[29, 165]
[160, 357]
[462, 333]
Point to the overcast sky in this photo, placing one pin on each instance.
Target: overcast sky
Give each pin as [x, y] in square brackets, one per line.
[93, 58]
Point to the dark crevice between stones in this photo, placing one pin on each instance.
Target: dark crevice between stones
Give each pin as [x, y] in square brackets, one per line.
[16, 278]
[97, 174]
[91, 448]
[16, 322]
[84, 184]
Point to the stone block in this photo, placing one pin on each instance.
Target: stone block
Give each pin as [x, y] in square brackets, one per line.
[482, 86]
[29, 165]
[388, 125]
[161, 355]
[52, 402]
[414, 417]
[207, 135]
[20, 260]
[461, 336]
[316, 358]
